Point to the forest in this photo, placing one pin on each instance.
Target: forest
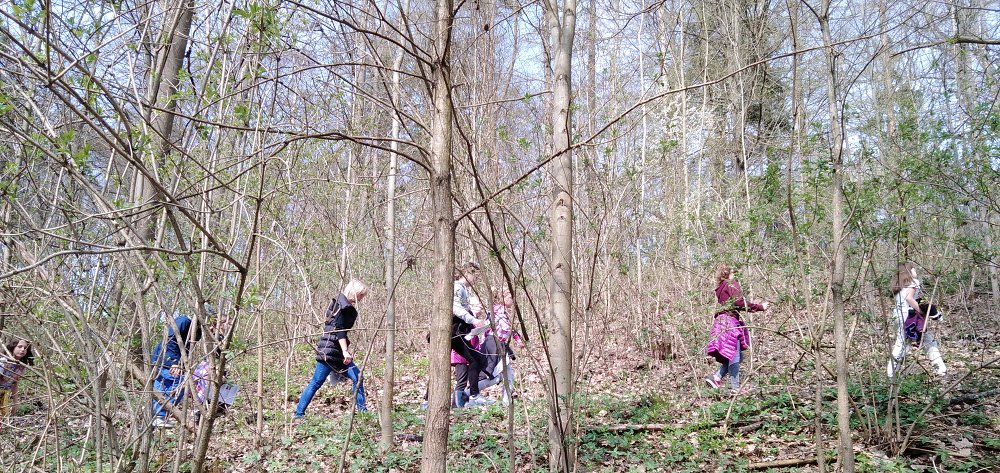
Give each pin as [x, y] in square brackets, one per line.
[192, 191]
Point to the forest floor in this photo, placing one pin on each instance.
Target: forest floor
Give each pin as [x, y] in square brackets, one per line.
[643, 417]
[633, 415]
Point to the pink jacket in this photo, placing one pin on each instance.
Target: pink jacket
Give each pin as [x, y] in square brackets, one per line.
[457, 359]
[729, 336]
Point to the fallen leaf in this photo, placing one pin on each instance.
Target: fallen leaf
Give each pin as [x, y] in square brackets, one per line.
[962, 443]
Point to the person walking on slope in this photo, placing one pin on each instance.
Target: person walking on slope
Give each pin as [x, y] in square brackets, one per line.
[729, 336]
[461, 365]
[909, 320]
[333, 354]
[496, 347]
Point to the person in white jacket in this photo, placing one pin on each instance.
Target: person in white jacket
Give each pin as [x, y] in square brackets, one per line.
[906, 290]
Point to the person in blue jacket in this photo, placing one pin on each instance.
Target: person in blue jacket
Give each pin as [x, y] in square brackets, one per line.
[333, 354]
[167, 359]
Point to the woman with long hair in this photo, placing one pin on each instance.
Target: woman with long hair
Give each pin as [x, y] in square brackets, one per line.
[907, 312]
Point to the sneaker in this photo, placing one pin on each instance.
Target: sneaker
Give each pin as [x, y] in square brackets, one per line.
[476, 401]
[458, 400]
[163, 423]
[713, 383]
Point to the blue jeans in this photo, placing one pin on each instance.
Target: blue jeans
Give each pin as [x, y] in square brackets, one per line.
[323, 370]
[733, 369]
[171, 388]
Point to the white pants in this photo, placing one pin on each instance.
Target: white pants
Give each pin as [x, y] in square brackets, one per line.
[902, 345]
[498, 376]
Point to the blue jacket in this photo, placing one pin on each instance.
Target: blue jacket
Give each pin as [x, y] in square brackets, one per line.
[165, 358]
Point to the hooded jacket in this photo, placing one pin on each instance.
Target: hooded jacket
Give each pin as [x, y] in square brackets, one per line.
[730, 297]
[164, 358]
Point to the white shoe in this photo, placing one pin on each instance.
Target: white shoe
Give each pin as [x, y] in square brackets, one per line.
[163, 423]
[476, 401]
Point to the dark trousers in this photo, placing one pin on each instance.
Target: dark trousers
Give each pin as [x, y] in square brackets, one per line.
[461, 377]
[477, 363]
[493, 350]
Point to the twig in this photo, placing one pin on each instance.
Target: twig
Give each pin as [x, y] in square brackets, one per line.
[781, 463]
[629, 427]
[974, 397]
[749, 427]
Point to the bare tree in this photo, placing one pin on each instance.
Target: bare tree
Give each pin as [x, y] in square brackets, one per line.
[838, 258]
[435, 452]
[161, 95]
[390, 253]
[561, 23]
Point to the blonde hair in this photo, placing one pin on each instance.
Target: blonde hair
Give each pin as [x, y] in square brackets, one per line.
[354, 290]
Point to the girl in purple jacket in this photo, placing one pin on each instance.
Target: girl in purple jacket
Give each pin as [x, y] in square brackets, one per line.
[14, 362]
[729, 334]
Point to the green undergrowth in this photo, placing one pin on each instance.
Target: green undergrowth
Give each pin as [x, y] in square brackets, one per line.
[675, 432]
[618, 431]
[646, 433]
[622, 434]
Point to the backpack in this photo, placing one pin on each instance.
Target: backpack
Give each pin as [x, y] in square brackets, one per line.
[913, 326]
[930, 310]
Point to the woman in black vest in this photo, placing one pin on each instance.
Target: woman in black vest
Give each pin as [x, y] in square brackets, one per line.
[333, 353]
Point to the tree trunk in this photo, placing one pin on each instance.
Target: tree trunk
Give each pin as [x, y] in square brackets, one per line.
[390, 261]
[639, 301]
[963, 25]
[161, 89]
[561, 436]
[798, 125]
[164, 78]
[435, 454]
[845, 450]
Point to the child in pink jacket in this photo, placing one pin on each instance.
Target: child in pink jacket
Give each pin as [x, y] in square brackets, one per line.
[729, 335]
